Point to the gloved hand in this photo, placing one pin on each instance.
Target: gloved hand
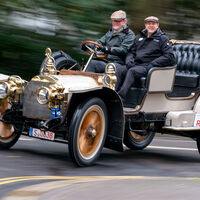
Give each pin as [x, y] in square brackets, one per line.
[105, 49]
[83, 47]
[130, 64]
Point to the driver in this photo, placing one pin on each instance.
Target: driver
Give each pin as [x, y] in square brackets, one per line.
[116, 43]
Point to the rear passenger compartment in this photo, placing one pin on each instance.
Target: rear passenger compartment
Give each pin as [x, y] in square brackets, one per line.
[188, 68]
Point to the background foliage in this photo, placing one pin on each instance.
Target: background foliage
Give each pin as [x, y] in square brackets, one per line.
[29, 26]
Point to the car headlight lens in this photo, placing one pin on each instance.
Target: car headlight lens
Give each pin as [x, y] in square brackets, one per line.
[50, 95]
[3, 90]
[43, 95]
[106, 80]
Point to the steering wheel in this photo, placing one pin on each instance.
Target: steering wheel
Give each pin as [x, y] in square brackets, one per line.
[97, 53]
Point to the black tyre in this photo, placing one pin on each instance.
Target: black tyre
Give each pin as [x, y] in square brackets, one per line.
[62, 61]
[198, 144]
[135, 141]
[8, 137]
[87, 132]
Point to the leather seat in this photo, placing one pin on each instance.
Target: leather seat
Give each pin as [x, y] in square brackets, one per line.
[188, 64]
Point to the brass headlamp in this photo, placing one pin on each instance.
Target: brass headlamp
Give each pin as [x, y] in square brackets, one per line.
[52, 95]
[12, 88]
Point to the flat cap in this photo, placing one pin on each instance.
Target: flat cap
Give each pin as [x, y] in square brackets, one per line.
[118, 15]
[151, 19]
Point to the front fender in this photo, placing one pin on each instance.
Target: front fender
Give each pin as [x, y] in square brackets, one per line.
[116, 121]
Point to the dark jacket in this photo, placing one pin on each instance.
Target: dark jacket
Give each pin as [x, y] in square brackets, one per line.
[154, 51]
[119, 43]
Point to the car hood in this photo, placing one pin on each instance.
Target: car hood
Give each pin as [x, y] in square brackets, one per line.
[71, 83]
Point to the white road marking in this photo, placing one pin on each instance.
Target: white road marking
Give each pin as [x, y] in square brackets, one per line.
[25, 138]
[173, 140]
[172, 148]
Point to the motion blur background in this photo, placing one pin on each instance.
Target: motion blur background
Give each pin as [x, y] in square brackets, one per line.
[27, 27]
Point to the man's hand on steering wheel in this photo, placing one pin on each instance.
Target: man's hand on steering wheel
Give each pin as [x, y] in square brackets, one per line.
[98, 50]
[105, 49]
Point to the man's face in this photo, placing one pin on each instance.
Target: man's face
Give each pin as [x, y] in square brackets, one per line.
[117, 25]
[151, 27]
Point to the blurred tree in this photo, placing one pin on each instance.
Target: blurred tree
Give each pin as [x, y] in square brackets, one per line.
[28, 27]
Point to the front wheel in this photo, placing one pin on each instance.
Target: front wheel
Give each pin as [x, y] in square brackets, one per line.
[136, 141]
[87, 132]
[8, 136]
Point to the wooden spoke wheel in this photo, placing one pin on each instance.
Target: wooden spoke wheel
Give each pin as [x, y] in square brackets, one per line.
[8, 136]
[88, 132]
[6, 130]
[136, 137]
[97, 54]
[136, 141]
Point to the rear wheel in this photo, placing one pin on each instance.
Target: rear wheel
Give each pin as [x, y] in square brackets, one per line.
[136, 141]
[87, 132]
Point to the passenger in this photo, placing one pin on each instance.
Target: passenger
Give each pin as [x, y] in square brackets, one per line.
[150, 49]
[116, 42]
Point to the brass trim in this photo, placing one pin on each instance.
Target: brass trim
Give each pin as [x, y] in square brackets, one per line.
[173, 41]
[55, 94]
[49, 65]
[192, 95]
[15, 87]
[111, 72]
[135, 110]
[43, 78]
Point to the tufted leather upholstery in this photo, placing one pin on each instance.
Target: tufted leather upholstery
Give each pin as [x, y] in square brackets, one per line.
[188, 58]
[188, 64]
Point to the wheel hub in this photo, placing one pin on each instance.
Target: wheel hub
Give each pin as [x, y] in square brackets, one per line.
[91, 132]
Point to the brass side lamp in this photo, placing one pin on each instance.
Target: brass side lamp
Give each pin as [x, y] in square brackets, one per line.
[110, 72]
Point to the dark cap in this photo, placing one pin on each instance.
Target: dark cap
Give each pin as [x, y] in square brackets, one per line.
[118, 15]
[151, 19]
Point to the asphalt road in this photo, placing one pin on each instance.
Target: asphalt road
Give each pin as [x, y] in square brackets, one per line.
[36, 169]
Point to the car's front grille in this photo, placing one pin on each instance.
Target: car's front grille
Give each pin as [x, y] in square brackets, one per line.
[31, 107]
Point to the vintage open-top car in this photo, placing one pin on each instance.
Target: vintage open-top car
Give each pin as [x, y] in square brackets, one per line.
[82, 108]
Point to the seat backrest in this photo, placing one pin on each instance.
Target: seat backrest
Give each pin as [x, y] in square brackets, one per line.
[187, 55]
[161, 79]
